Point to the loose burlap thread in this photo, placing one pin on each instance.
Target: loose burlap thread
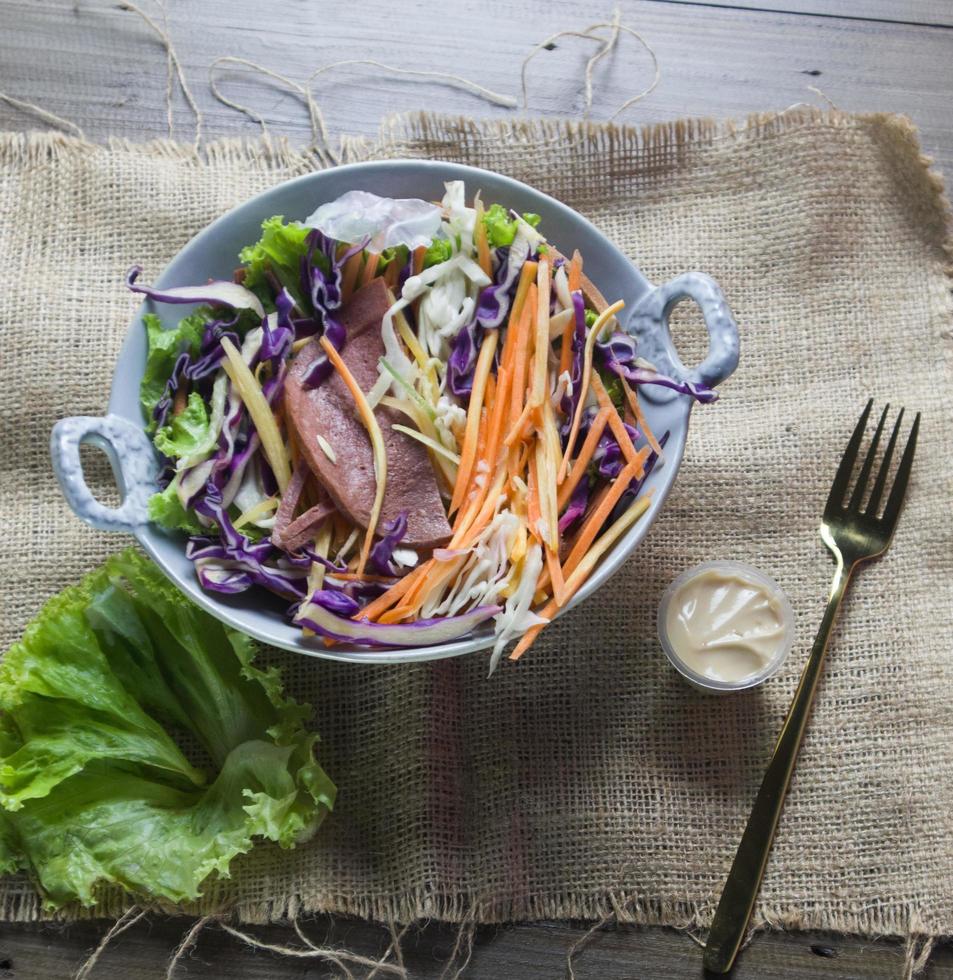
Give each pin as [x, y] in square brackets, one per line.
[589, 779]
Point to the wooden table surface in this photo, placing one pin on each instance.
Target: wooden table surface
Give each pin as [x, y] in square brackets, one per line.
[102, 68]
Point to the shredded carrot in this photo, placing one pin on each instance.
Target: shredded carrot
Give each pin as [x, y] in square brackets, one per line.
[609, 496]
[555, 576]
[632, 455]
[370, 267]
[391, 272]
[522, 346]
[373, 610]
[587, 375]
[377, 444]
[471, 527]
[396, 614]
[419, 254]
[468, 453]
[522, 426]
[349, 275]
[480, 451]
[479, 238]
[580, 463]
[575, 272]
[579, 575]
[361, 577]
[527, 278]
[640, 420]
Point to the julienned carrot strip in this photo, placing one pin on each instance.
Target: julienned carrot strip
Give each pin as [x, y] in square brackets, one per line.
[522, 426]
[633, 400]
[419, 254]
[565, 350]
[370, 267]
[479, 238]
[472, 528]
[599, 514]
[377, 444]
[464, 508]
[349, 275]
[391, 273]
[580, 463]
[635, 457]
[527, 277]
[591, 339]
[432, 585]
[575, 272]
[539, 372]
[521, 354]
[579, 575]
[382, 603]
[468, 454]
[555, 576]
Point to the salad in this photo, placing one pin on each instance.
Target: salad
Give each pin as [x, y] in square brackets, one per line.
[406, 418]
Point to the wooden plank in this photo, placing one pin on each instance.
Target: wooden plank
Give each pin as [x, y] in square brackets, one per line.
[100, 66]
[935, 13]
[530, 952]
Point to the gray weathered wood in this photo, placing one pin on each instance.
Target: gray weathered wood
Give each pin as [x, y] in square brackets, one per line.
[530, 952]
[102, 68]
[927, 12]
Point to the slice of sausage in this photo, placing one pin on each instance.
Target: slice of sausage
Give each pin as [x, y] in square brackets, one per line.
[329, 411]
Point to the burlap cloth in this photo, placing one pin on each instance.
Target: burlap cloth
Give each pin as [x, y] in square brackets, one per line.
[589, 778]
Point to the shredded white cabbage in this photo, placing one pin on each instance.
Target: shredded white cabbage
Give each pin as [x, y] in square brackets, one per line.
[561, 287]
[517, 615]
[483, 574]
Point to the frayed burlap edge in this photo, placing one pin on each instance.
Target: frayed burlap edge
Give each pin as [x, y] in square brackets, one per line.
[898, 139]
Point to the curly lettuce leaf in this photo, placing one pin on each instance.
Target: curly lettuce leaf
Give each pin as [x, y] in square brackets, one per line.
[94, 787]
[166, 510]
[164, 348]
[501, 228]
[280, 249]
[186, 433]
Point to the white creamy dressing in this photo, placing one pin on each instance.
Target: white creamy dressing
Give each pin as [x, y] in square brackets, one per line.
[725, 626]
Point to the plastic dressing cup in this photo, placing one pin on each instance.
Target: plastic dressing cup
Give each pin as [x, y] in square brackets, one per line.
[725, 626]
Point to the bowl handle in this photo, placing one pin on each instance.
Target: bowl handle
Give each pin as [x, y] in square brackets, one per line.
[133, 462]
[649, 325]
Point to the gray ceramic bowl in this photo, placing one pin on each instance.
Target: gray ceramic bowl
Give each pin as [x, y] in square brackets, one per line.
[212, 254]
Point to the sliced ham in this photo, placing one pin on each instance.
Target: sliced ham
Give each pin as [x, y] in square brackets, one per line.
[329, 411]
[289, 532]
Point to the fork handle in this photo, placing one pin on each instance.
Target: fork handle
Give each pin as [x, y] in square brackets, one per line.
[744, 879]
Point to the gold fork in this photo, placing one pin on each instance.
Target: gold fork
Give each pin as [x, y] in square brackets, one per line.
[853, 535]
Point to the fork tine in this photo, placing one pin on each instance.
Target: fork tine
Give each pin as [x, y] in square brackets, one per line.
[858, 493]
[842, 478]
[895, 500]
[881, 480]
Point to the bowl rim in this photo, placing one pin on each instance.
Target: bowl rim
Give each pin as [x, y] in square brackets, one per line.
[481, 639]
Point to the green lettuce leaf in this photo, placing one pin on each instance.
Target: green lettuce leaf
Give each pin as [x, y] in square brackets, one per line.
[280, 249]
[501, 228]
[166, 510]
[439, 250]
[163, 351]
[186, 433]
[93, 784]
